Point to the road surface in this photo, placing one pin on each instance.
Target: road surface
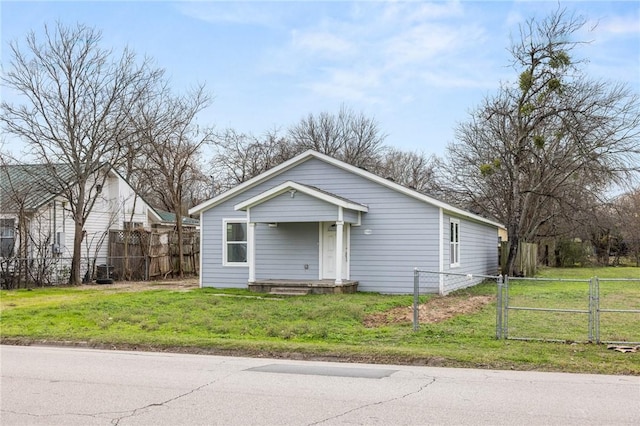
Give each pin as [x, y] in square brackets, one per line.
[74, 386]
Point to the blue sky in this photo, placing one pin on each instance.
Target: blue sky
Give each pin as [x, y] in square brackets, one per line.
[417, 67]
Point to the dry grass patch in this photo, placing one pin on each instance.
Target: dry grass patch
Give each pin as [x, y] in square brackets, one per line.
[434, 310]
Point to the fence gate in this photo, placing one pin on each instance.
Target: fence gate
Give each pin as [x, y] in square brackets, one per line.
[600, 310]
[543, 309]
[617, 306]
[595, 310]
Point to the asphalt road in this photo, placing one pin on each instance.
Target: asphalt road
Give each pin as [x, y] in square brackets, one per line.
[71, 386]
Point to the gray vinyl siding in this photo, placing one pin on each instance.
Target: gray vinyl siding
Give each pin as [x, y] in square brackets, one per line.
[398, 234]
[299, 208]
[350, 216]
[284, 251]
[478, 253]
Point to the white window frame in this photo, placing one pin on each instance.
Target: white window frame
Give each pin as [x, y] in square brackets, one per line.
[8, 232]
[454, 243]
[225, 243]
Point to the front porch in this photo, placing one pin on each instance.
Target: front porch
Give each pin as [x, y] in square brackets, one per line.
[300, 287]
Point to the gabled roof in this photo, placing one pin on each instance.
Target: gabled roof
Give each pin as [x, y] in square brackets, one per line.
[32, 183]
[305, 189]
[36, 186]
[310, 154]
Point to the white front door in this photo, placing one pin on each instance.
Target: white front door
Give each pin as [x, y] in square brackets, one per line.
[328, 250]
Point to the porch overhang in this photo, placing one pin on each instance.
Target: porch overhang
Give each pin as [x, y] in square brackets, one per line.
[295, 202]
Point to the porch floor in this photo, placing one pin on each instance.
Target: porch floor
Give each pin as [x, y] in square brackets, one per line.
[278, 286]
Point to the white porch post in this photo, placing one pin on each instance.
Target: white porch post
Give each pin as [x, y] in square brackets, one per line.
[339, 245]
[251, 248]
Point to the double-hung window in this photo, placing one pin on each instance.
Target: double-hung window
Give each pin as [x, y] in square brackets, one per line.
[234, 242]
[7, 237]
[454, 242]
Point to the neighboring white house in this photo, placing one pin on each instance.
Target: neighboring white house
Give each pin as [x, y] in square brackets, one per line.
[27, 194]
[314, 218]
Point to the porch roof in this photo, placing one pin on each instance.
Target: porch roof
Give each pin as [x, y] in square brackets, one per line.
[312, 191]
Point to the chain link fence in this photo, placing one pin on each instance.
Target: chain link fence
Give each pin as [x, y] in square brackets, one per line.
[53, 271]
[600, 310]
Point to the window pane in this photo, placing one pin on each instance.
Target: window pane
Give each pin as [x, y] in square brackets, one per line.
[237, 252]
[7, 227]
[236, 232]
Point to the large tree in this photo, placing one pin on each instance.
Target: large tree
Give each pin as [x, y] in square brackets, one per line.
[348, 136]
[76, 98]
[171, 143]
[531, 149]
[240, 156]
[414, 170]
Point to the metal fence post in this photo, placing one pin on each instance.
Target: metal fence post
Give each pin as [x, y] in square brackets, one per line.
[505, 304]
[591, 308]
[499, 308]
[416, 297]
[596, 307]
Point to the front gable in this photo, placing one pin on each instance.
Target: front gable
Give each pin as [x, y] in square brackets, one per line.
[296, 202]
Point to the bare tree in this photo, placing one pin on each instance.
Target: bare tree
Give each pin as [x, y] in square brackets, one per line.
[411, 169]
[76, 110]
[554, 133]
[353, 138]
[172, 141]
[240, 156]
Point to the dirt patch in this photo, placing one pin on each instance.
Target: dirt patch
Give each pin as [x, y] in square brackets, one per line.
[184, 284]
[433, 310]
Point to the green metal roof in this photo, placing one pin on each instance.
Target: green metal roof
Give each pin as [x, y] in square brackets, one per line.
[169, 217]
[32, 184]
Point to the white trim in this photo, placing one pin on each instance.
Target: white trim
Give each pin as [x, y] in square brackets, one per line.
[224, 242]
[320, 248]
[301, 158]
[201, 256]
[251, 250]
[289, 186]
[441, 251]
[454, 246]
[339, 248]
[348, 250]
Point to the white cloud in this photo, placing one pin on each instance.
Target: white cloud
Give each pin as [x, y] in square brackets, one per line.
[370, 53]
[618, 25]
[244, 13]
[320, 43]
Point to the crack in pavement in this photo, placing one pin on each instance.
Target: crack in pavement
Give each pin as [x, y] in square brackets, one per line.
[423, 387]
[135, 411]
[115, 421]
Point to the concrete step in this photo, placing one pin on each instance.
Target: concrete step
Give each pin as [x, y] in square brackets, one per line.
[290, 291]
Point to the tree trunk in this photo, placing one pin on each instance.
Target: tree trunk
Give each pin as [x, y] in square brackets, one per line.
[514, 245]
[74, 278]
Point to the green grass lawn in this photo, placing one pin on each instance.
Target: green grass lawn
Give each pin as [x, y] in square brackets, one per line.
[325, 326]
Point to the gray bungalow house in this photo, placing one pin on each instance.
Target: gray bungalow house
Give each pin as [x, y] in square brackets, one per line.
[316, 221]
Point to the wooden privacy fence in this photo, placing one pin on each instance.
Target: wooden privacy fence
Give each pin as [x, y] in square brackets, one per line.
[526, 259]
[139, 254]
